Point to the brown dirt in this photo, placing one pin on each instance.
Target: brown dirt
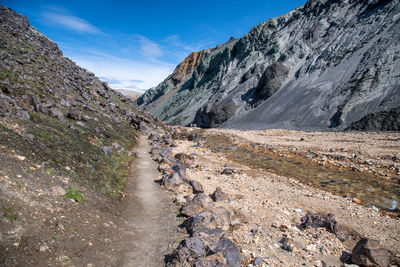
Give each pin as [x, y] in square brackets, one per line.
[99, 231]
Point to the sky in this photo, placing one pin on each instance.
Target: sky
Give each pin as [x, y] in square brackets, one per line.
[137, 44]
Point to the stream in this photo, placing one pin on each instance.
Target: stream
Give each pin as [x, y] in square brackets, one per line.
[371, 190]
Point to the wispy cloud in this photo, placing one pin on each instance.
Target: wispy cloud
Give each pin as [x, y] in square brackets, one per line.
[61, 17]
[122, 73]
[174, 40]
[149, 48]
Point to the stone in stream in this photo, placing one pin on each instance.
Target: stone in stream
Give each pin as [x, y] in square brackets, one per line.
[219, 195]
[369, 253]
[197, 186]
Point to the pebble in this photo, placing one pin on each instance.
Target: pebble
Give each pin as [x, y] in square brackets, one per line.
[258, 261]
[298, 210]
[43, 247]
[20, 157]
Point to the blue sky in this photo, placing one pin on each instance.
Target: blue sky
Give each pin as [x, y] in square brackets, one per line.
[137, 44]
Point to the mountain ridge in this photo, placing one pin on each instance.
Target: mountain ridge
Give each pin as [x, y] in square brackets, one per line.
[325, 65]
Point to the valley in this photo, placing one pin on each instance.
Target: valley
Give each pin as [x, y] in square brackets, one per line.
[277, 148]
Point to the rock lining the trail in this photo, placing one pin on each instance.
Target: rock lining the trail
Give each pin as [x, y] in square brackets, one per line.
[206, 224]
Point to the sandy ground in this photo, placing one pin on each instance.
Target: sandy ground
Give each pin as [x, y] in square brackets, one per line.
[269, 207]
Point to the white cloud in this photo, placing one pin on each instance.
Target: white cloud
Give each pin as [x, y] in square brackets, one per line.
[174, 40]
[70, 22]
[123, 73]
[149, 48]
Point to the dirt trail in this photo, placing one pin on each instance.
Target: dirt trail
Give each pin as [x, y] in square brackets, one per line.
[150, 220]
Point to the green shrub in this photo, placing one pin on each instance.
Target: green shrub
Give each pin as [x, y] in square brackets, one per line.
[75, 194]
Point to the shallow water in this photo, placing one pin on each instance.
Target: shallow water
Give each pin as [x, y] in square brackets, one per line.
[371, 190]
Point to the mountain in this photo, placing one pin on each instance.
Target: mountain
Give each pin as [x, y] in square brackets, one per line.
[53, 111]
[132, 94]
[329, 64]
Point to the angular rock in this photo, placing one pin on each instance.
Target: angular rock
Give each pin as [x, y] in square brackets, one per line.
[195, 246]
[172, 180]
[219, 195]
[369, 253]
[197, 186]
[209, 219]
[75, 115]
[323, 220]
[180, 170]
[196, 205]
[57, 113]
[107, 150]
[229, 251]
[229, 171]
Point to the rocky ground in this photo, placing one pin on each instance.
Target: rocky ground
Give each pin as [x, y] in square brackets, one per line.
[370, 152]
[269, 214]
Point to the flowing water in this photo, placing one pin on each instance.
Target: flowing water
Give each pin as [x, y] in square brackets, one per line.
[371, 190]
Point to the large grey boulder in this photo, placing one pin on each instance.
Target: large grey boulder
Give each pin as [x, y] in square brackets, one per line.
[369, 253]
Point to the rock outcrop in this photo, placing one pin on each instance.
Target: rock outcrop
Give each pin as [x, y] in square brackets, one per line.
[327, 64]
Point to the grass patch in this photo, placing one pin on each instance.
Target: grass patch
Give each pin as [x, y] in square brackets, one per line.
[9, 214]
[116, 174]
[75, 194]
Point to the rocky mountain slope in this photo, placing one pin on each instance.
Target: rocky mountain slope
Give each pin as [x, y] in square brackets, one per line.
[327, 64]
[66, 143]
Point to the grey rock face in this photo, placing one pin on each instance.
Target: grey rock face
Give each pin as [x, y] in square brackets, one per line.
[326, 64]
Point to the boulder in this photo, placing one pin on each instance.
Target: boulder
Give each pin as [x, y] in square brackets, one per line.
[229, 171]
[180, 170]
[196, 205]
[56, 113]
[196, 246]
[197, 186]
[171, 180]
[75, 115]
[327, 221]
[219, 195]
[211, 218]
[369, 253]
[229, 251]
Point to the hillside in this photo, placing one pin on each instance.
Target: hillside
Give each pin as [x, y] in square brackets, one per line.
[66, 148]
[325, 65]
[130, 93]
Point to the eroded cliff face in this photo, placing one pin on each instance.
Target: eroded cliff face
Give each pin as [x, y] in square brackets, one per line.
[327, 64]
[152, 99]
